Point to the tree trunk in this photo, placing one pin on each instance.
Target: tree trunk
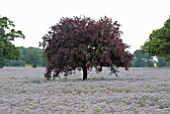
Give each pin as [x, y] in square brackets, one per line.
[84, 72]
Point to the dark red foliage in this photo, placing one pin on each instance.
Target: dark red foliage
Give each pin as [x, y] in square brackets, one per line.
[83, 43]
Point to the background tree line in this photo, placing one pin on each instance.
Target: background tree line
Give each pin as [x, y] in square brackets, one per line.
[35, 57]
[30, 56]
[141, 59]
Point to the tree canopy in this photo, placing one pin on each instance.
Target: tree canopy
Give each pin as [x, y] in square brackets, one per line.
[158, 43]
[28, 56]
[32, 56]
[141, 59]
[8, 51]
[83, 43]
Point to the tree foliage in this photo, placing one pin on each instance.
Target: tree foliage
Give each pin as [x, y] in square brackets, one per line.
[141, 59]
[32, 56]
[158, 43]
[83, 43]
[28, 56]
[14, 63]
[8, 51]
[162, 62]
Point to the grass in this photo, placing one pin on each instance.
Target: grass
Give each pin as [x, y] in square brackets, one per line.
[129, 93]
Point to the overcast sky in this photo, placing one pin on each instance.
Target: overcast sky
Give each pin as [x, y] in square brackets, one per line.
[137, 17]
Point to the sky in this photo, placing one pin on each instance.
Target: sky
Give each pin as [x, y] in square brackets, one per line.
[137, 17]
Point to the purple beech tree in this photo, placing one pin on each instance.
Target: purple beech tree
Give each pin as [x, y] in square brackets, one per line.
[83, 43]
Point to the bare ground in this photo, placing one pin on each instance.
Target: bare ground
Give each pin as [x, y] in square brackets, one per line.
[137, 91]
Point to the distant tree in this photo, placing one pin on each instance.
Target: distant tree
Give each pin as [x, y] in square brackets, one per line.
[158, 43]
[15, 63]
[141, 59]
[28, 56]
[8, 51]
[83, 43]
[32, 56]
[2, 64]
[162, 62]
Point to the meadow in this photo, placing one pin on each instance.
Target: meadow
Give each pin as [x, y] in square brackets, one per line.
[136, 91]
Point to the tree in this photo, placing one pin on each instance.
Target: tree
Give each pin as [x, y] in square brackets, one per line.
[162, 62]
[83, 43]
[15, 63]
[158, 43]
[8, 51]
[32, 56]
[142, 59]
[28, 56]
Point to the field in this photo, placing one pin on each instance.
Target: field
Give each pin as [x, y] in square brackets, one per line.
[137, 91]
